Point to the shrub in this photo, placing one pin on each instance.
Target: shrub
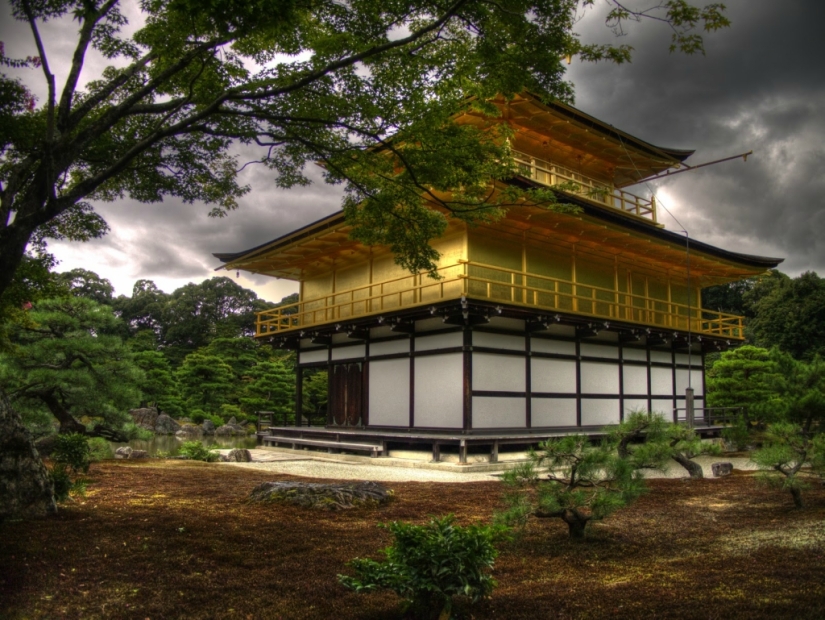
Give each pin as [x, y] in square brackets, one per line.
[133, 431]
[72, 451]
[197, 416]
[99, 449]
[196, 451]
[430, 564]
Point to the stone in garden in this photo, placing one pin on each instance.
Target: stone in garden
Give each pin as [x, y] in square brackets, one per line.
[145, 417]
[165, 425]
[46, 445]
[189, 430]
[239, 455]
[123, 452]
[138, 454]
[208, 427]
[229, 429]
[721, 469]
[325, 496]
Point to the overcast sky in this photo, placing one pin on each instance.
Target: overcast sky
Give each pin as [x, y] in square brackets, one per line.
[760, 87]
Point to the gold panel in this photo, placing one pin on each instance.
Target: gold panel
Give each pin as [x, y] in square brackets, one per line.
[317, 287]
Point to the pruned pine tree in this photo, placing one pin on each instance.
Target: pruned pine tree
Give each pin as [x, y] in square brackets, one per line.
[786, 451]
[205, 382]
[583, 483]
[66, 361]
[270, 386]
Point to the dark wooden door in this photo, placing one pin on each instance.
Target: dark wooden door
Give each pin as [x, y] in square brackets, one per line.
[345, 398]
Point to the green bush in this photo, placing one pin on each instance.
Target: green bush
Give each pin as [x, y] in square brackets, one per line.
[62, 482]
[99, 449]
[133, 431]
[72, 451]
[197, 415]
[196, 451]
[430, 564]
[738, 434]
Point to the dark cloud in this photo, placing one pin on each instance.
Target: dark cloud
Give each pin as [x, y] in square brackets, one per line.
[760, 87]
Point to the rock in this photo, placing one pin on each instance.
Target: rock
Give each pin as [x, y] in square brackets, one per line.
[165, 425]
[325, 496]
[228, 429]
[26, 489]
[123, 452]
[138, 454]
[46, 445]
[232, 421]
[145, 417]
[189, 430]
[239, 455]
[721, 469]
[208, 427]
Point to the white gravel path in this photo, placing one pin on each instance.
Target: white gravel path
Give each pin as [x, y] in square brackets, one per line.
[312, 466]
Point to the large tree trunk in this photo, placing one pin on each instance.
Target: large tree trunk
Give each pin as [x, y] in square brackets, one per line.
[576, 524]
[694, 469]
[26, 490]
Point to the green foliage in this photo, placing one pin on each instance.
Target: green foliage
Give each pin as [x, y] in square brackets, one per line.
[270, 386]
[315, 394]
[430, 564]
[132, 431]
[787, 449]
[788, 313]
[62, 481]
[205, 381]
[68, 363]
[583, 483]
[99, 449]
[746, 377]
[158, 385]
[73, 452]
[738, 433]
[196, 451]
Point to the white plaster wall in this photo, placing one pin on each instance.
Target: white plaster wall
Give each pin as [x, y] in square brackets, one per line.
[684, 358]
[631, 405]
[428, 325]
[498, 341]
[598, 412]
[381, 332]
[638, 355]
[561, 330]
[634, 379]
[553, 412]
[661, 381]
[308, 357]
[439, 391]
[345, 353]
[499, 372]
[561, 347]
[305, 343]
[439, 341]
[340, 339]
[663, 406]
[682, 381]
[598, 350]
[389, 392]
[606, 336]
[664, 357]
[389, 347]
[548, 375]
[496, 412]
[599, 378]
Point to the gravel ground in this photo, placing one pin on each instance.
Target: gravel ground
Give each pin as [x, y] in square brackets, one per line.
[371, 469]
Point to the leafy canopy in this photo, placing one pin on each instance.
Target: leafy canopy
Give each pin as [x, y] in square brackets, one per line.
[295, 81]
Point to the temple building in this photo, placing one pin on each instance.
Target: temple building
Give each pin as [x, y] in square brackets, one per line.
[541, 323]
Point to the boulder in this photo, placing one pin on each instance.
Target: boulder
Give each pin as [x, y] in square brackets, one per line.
[138, 454]
[164, 425]
[228, 429]
[145, 417]
[188, 431]
[721, 469]
[325, 496]
[123, 452]
[208, 427]
[239, 455]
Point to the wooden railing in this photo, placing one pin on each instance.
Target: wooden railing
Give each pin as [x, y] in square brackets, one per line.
[550, 174]
[491, 283]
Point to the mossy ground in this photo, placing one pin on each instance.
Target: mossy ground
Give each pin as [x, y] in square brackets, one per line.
[178, 539]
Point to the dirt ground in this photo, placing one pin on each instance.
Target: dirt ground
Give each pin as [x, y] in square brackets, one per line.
[178, 539]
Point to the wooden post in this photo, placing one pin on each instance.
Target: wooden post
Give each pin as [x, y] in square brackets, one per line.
[436, 452]
[494, 453]
[689, 410]
[462, 452]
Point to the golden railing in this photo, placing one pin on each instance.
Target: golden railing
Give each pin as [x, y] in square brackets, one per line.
[548, 173]
[491, 283]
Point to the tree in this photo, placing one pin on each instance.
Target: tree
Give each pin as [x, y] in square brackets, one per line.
[88, 284]
[205, 381]
[788, 313]
[67, 363]
[583, 483]
[270, 386]
[315, 393]
[158, 386]
[786, 451]
[143, 311]
[163, 122]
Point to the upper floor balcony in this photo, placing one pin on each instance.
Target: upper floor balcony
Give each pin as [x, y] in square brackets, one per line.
[490, 283]
[550, 174]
